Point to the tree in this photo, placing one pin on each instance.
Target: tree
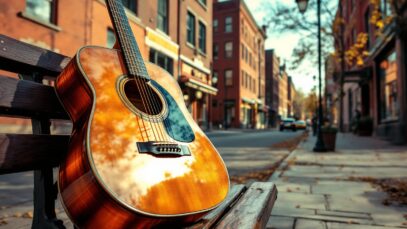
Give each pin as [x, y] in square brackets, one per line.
[285, 18]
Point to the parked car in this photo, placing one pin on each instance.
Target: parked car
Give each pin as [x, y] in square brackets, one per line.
[300, 125]
[288, 123]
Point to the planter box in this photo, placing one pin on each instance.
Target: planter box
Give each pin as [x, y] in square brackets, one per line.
[329, 139]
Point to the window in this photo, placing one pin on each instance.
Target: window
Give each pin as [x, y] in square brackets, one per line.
[203, 2]
[228, 49]
[202, 37]
[385, 8]
[367, 27]
[215, 51]
[215, 78]
[111, 38]
[131, 5]
[162, 60]
[191, 28]
[242, 78]
[242, 51]
[389, 104]
[215, 25]
[162, 16]
[228, 24]
[229, 77]
[42, 9]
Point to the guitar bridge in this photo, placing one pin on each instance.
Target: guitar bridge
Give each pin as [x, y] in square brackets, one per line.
[163, 149]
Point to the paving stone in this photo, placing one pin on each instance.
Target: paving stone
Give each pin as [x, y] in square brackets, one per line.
[292, 212]
[390, 218]
[355, 226]
[300, 200]
[346, 188]
[343, 214]
[293, 187]
[309, 224]
[279, 222]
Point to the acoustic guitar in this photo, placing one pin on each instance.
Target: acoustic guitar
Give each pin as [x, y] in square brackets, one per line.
[136, 157]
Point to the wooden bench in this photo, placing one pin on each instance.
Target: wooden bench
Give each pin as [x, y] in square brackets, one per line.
[27, 97]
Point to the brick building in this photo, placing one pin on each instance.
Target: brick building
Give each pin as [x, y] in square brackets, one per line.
[377, 89]
[272, 86]
[239, 63]
[161, 28]
[283, 94]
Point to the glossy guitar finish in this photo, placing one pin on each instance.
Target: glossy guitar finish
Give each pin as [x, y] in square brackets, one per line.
[105, 182]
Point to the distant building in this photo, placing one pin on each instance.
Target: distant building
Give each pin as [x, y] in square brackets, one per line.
[283, 104]
[239, 64]
[291, 95]
[272, 86]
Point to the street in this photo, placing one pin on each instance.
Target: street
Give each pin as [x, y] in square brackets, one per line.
[249, 154]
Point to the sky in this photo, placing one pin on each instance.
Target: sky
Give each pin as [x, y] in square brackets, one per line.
[284, 44]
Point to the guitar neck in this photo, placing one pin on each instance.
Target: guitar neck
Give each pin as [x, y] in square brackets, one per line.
[130, 51]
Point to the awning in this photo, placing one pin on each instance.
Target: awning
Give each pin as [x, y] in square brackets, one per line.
[195, 84]
[250, 101]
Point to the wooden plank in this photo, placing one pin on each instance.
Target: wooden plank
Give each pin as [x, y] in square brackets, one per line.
[29, 99]
[211, 218]
[253, 209]
[20, 57]
[20, 152]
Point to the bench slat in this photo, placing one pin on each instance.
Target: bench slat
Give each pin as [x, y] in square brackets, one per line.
[19, 57]
[210, 219]
[253, 209]
[20, 152]
[29, 99]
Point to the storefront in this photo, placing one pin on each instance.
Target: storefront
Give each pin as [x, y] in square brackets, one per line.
[196, 86]
[247, 113]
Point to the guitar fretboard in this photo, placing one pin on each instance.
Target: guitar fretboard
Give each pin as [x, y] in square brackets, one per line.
[128, 45]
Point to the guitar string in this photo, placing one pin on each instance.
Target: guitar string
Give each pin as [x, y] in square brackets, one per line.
[140, 84]
[149, 95]
[114, 8]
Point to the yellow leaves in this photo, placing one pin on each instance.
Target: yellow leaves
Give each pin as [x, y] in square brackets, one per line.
[357, 52]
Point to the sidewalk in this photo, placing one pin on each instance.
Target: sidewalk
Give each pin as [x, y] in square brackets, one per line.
[334, 190]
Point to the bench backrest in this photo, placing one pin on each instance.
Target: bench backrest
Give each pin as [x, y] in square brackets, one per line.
[27, 97]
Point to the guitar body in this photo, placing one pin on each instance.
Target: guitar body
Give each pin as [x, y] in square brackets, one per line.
[110, 177]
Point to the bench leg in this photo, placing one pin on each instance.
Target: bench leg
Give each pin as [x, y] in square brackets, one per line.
[45, 193]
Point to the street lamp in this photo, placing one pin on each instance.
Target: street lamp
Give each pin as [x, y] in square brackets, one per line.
[302, 6]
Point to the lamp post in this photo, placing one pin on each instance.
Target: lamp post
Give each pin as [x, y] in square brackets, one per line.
[302, 6]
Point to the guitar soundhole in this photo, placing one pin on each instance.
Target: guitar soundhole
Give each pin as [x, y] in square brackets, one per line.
[143, 97]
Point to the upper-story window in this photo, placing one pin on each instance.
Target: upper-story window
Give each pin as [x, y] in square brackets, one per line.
[228, 24]
[202, 37]
[385, 8]
[215, 25]
[42, 9]
[162, 15]
[215, 51]
[228, 49]
[367, 27]
[203, 2]
[111, 38]
[191, 28]
[131, 5]
[229, 77]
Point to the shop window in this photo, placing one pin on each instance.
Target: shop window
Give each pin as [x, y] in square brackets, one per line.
[228, 77]
[162, 60]
[44, 10]
[389, 104]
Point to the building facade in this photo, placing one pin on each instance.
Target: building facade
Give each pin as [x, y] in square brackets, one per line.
[164, 31]
[239, 64]
[376, 88]
[283, 94]
[272, 86]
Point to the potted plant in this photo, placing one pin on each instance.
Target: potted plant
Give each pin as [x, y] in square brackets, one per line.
[329, 137]
[365, 126]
